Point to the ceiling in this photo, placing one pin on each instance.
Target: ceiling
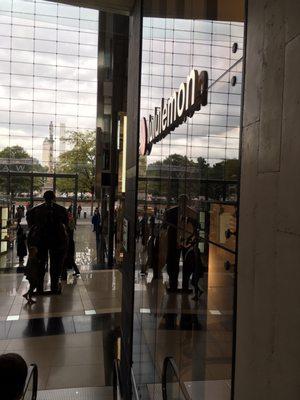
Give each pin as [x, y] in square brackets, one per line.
[114, 6]
[222, 10]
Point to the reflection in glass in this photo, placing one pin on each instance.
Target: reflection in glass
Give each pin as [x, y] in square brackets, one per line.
[186, 217]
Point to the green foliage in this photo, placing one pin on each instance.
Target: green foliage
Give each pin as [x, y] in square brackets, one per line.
[80, 159]
[178, 174]
[14, 152]
[19, 184]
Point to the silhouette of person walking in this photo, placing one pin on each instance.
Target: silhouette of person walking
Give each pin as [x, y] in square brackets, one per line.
[69, 262]
[51, 220]
[96, 220]
[21, 244]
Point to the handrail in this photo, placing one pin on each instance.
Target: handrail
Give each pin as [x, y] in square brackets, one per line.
[170, 362]
[32, 379]
[203, 238]
[117, 387]
[134, 387]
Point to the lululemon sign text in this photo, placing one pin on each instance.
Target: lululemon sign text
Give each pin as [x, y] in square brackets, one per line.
[189, 98]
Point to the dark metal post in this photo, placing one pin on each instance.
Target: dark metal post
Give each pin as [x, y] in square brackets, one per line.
[224, 191]
[75, 196]
[8, 184]
[119, 91]
[54, 183]
[31, 190]
[128, 266]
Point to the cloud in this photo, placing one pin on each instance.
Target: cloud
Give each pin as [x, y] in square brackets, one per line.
[41, 77]
[213, 132]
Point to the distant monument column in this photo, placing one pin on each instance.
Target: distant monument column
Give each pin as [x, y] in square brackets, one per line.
[51, 143]
[48, 156]
[62, 138]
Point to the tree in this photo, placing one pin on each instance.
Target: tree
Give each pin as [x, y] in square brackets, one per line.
[16, 159]
[178, 174]
[81, 160]
[225, 170]
[175, 172]
[203, 167]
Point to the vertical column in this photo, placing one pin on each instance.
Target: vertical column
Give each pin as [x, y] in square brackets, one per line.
[102, 130]
[112, 82]
[119, 83]
[31, 189]
[75, 196]
[133, 108]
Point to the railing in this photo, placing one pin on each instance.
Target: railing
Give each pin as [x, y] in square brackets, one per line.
[117, 389]
[135, 392]
[31, 384]
[172, 386]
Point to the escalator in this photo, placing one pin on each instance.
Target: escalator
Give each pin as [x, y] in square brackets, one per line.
[31, 384]
[172, 386]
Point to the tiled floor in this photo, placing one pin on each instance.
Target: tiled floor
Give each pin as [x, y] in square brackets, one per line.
[99, 393]
[64, 361]
[72, 359]
[69, 336]
[197, 334]
[206, 390]
[96, 291]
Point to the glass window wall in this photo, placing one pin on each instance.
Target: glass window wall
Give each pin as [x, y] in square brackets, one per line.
[187, 206]
[48, 64]
[48, 98]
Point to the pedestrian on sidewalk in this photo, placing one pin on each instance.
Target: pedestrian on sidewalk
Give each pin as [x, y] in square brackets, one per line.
[96, 220]
[21, 244]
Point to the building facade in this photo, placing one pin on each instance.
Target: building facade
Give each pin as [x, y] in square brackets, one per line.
[48, 149]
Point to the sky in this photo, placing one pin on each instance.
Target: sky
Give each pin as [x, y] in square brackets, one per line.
[171, 49]
[48, 71]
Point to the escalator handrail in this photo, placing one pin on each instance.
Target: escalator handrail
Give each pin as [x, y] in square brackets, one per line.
[117, 387]
[32, 375]
[169, 361]
[134, 386]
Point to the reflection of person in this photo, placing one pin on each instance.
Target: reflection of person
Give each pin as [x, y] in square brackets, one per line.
[188, 318]
[179, 221]
[143, 228]
[144, 241]
[160, 251]
[192, 265]
[100, 239]
[138, 228]
[51, 219]
[96, 220]
[19, 213]
[151, 255]
[21, 244]
[13, 373]
[173, 251]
